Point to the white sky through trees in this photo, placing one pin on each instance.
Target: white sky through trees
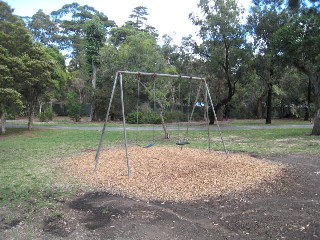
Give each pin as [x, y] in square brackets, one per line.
[167, 16]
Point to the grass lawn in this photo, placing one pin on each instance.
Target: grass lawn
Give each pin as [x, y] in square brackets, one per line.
[262, 122]
[64, 121]
[29, 177]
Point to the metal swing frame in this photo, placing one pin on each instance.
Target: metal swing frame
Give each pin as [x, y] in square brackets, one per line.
[118, 77]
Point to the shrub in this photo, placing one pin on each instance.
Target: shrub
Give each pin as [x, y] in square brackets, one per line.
[151, 117]
[46, 115]
[144, 117]
[73, 106]
[132, 117]
[42, 117]
[175, 116]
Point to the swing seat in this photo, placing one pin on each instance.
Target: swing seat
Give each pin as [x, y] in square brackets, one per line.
[182, 143]
[149, 145]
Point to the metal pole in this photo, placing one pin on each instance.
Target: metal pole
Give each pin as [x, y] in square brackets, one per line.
[207, 116]
[215, 116]
[195, 102]
[160, 75]
[105, 123]
[124, 126]
[137, 119]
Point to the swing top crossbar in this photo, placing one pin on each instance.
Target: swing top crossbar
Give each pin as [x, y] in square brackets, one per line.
[161, 75]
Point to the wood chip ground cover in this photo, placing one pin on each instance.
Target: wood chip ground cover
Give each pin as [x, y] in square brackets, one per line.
[171, 174]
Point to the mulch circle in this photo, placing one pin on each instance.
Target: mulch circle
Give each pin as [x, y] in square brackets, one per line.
[171, 174]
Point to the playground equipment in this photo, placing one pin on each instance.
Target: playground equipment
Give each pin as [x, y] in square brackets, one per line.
[181, 142]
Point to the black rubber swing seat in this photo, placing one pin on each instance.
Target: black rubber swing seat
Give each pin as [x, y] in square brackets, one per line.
[149, 145]
[183, 143]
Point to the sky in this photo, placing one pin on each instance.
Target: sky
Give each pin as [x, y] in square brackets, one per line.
[167, 16]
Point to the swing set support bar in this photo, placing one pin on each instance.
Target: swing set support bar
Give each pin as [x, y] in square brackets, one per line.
[161, 75]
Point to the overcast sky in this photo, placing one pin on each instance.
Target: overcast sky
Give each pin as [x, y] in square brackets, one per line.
[167, 16]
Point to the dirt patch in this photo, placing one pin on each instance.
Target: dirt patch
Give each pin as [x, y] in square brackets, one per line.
[58, 226]
[171, 174]
[4, 225]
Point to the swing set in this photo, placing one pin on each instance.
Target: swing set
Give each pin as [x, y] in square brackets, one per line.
[181, 142]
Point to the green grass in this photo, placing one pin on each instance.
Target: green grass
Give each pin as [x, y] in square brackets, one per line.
[262, 122]
[28, 160]
[232, 122]
[273, 142]
[28, 164]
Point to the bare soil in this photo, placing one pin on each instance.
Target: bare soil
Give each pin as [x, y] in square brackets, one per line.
[288, 208]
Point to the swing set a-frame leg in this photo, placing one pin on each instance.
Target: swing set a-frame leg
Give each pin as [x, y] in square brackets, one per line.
[105, 123]
[215, 116]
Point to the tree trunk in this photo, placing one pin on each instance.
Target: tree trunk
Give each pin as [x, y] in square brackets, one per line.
[315, 78]
[94, 84]
[40, 106]
[166, 134]
[30, 117]
[3, 122]
[205, 117]
[316, 124]
[307, 107]
[269, 104]
[220, 113]
[211, 115]
[259, 108]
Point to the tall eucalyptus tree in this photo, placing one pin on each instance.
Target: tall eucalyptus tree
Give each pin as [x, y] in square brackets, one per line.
[223, 48]
[266, 18]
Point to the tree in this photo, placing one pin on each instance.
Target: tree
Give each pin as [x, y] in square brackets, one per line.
[73, 106]
[43, 29]
[13, 35]
[14, 42]
[8, 98]
[94, 40]
[265, 19]
[298, 43]
[140, 52]
[137, 51]
[138, 21]
[71, 19]
[60, 76]
[295, 5]
[119, 35]
[138, 17]
[35, 79]
[223, 49]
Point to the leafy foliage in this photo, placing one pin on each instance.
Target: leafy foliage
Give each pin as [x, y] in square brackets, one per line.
[223, 48]
[73, 106]
[145, 116]
[43, 29]
[46, 115]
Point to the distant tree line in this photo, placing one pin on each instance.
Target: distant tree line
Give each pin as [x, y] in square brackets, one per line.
[261, 66]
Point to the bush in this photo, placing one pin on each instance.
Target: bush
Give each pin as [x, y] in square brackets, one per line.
[151, 117]
[42, 117]
[73, 106]
[175, 116]
[132, 117]
[46, 115]
[143, 117]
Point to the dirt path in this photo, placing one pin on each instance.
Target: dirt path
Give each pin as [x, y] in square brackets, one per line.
[289, 210]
